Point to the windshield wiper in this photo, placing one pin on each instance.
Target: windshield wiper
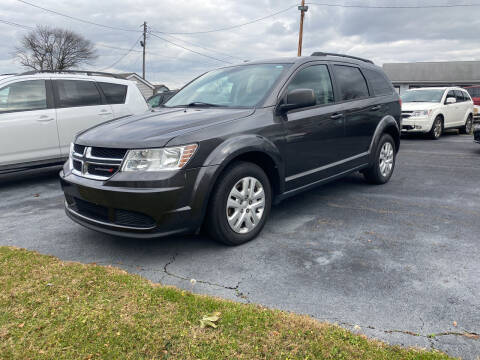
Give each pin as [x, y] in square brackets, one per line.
[200, 103]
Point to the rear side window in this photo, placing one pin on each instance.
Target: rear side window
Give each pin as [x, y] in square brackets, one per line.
[23, 96]
[466, 96]
[316, 78]
[380, 84]
[351, 82]
[114, 93]
[73, 93]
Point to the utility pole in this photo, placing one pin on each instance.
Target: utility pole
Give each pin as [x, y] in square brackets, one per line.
[144, 45]
[303, 9]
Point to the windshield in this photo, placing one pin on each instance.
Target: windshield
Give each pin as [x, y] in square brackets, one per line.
[430, 95]
[240, 86]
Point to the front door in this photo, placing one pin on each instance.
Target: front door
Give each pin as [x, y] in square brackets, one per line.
[314, 134]
[79, 107]
[28, 127]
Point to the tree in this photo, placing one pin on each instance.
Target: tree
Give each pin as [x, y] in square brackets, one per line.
[47, 48]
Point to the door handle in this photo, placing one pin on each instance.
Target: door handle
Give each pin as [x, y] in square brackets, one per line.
[104, 113]
[375, 108]
[45, 118]
[336, 116]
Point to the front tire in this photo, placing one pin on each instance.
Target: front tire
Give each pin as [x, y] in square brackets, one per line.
[437, 129]
[467, 128]
[382, 168]
[240, 204]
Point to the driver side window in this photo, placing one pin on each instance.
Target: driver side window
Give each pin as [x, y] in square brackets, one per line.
[317, 78]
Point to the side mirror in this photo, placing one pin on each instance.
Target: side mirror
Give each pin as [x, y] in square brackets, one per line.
[451, 100]
[298, 98]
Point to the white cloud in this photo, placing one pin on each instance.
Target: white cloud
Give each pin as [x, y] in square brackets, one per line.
[384, 35]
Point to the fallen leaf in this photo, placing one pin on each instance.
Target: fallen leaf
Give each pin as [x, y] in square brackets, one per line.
[210, 320]
[21, 325]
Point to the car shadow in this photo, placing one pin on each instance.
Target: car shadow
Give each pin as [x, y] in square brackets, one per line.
[29, 177]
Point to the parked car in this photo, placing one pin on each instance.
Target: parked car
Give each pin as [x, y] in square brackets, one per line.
[431, 110]
[474, 92]
[231, 143]
[159, 99]
[41, 112]
[476, 133]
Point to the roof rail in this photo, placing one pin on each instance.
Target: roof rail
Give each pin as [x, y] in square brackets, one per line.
[86, 72]
[319, 53]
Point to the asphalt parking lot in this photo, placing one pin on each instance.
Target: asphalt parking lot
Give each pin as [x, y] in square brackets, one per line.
[398, 262]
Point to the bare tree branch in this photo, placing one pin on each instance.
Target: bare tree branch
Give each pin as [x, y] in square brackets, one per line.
[47, 48]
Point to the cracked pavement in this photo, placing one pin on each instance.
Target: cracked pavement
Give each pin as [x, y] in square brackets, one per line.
[398, 262]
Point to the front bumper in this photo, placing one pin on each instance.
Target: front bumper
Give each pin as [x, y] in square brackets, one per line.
[421, 124]
[139, 205]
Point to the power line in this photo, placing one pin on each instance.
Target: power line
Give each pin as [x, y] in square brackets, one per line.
[232, 26]
[123, 56]
[393, 7]
[188, 49]
[76, 18]
[17, 25]
[199, 46]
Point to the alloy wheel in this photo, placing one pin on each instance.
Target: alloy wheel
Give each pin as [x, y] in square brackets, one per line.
[438, 128]
[386, 159]
[245, 205]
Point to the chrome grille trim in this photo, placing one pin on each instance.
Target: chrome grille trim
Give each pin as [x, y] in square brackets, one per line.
[87, 159]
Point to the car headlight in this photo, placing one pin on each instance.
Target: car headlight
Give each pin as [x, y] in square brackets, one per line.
[170, 158]
[419, 113]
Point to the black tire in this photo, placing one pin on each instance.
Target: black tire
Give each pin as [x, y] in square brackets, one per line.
[373, 174]
[217, 223]
[433, 134]
[467, 128]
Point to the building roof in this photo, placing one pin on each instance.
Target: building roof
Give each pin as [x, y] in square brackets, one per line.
[137, 77]
[434, 72]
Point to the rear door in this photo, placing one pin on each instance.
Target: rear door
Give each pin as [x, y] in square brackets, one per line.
[28, 127]
[361, 111]
[80, 105]
[116, 97]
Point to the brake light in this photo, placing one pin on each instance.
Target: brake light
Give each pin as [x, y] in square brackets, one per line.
[400, 102]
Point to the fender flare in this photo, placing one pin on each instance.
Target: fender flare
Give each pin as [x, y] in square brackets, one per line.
[221, 157]
[387, 122]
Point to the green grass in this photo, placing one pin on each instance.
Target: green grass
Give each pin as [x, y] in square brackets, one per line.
[51, 309]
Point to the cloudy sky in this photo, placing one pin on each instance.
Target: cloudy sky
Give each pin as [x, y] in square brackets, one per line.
[383, 35]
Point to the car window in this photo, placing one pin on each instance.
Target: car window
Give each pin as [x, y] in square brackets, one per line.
[466, 96]
[316, 78]
[72, 93]
[23, 96]
[451, 93]
[154, 101]
[459, 96]
[351, 82]
[379, 82]
[114, 93]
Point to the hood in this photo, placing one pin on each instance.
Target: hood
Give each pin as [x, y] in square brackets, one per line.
[412, 106]
[155, 129]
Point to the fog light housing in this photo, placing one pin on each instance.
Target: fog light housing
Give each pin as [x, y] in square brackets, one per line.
[419, 127]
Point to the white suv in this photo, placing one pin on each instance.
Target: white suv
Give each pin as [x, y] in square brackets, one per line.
[431, 110]
[41, 112]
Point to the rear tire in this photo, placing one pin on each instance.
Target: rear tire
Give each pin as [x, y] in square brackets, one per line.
[240, 204]
[382, 168]
[467, 128]
[437, 129]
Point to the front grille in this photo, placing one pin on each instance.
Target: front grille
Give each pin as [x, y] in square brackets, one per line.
[102, 170]
[77, 165]
[108, 153]
[79, 149]
[406, 114]
[134, 219]
[120, 216]
[98, 163]
[91, 210]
